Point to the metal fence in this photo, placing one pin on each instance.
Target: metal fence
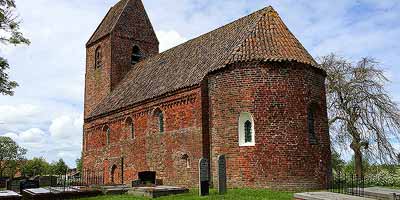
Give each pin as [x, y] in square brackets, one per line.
[86, 178]
[350, 184]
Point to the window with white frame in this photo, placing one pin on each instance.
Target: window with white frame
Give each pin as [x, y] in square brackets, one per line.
[246, 129]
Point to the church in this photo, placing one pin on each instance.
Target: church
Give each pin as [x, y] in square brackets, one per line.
[248, 90]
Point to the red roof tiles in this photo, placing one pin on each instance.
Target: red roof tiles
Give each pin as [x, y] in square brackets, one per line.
[260, 36]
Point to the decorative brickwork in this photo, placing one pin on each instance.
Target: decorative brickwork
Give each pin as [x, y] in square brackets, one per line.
[150, 150]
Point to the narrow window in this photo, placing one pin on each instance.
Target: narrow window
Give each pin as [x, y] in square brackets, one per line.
[246, 129]
[98, 58]
[311, 124]
[108, 136]
[132, 130]
[107, 131]
[130, 127]
[136, 55]
[247, 132]
[161, 122]
[160, 119]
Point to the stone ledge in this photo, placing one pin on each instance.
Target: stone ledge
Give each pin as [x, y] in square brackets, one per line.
[326, 196]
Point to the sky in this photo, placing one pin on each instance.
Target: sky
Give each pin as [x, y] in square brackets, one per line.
[45, 114]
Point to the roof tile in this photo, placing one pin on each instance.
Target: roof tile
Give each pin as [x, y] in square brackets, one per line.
[259, 36]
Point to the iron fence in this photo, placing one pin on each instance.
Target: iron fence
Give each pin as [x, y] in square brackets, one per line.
[349, 184]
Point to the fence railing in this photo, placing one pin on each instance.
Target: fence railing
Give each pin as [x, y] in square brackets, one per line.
[86, 178]
[350, 184]
[58, 182]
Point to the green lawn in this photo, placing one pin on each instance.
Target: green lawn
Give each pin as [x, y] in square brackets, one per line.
[237, 194]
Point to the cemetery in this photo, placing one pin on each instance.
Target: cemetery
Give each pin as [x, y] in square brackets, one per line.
[91, 186]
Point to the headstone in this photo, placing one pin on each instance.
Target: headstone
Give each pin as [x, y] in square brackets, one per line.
[221, 174]
[203, 177]
[147, 177]
[28, 184]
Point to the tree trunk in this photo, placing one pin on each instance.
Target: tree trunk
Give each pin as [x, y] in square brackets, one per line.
[356, 146]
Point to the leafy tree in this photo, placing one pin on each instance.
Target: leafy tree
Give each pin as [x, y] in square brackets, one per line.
[79, 164]
[10, 154]
[338, 163]
[362, 115]
[59, 167]
[35, 167]
[9, 34]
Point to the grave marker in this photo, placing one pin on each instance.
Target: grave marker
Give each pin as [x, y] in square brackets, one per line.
[221, 174]
[203, 177]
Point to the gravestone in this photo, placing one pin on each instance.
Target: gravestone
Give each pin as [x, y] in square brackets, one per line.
[221, 174]
[28, 184]
[147, 177]
[203, 177]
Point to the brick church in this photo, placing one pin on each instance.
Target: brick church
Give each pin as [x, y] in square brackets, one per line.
[248, 90]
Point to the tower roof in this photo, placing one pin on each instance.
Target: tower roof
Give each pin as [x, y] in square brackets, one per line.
[260, 36]
[112, 20]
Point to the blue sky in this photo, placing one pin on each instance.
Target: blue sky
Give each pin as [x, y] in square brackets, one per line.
[45, 115]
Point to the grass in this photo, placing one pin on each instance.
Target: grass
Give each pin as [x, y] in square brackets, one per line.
[236, 194]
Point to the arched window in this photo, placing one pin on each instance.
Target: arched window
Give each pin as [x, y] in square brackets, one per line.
[130, 126]
[160, 119]
[136, 55]
[246, 129]
[311, 123]
[107, 131]
[98, 58]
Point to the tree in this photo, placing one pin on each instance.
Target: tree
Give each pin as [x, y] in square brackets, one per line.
[35, 167]
[10, 153]
[362, 115]
[79, 164]
[59, 167]
[9, 34]
[338, 163]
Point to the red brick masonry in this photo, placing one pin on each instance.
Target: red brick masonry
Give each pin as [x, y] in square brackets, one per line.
[276, 84]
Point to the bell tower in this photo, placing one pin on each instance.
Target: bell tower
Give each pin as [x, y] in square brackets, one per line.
[124, 37]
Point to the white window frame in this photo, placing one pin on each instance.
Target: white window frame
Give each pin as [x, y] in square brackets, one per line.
[243, 117]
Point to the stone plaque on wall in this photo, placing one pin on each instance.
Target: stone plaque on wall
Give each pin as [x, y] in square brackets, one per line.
[204, 177]
[221, 174]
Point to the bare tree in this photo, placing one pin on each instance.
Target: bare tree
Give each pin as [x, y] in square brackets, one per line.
[362, 115]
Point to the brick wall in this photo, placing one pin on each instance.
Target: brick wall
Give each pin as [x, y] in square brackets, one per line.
[97, 81]
[277, 95]
[149, 150]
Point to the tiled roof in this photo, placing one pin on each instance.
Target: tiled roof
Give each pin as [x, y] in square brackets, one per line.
[260, 36]
[109, 21]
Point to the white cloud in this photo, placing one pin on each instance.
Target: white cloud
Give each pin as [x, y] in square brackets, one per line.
[67, 127]
[31, 138]
[169, 39]
[17, 113]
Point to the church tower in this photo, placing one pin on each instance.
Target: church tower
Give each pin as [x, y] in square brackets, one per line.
[124, 37]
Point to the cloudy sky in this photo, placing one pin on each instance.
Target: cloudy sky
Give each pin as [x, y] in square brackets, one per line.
[45, 115]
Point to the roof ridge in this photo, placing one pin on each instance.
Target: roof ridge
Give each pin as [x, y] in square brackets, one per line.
[214, 30]
[267, 30]
[251, 31]
[246, 39]
[119, 16]
[98, 26]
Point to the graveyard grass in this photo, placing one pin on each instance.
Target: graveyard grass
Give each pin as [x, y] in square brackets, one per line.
[236, 194]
